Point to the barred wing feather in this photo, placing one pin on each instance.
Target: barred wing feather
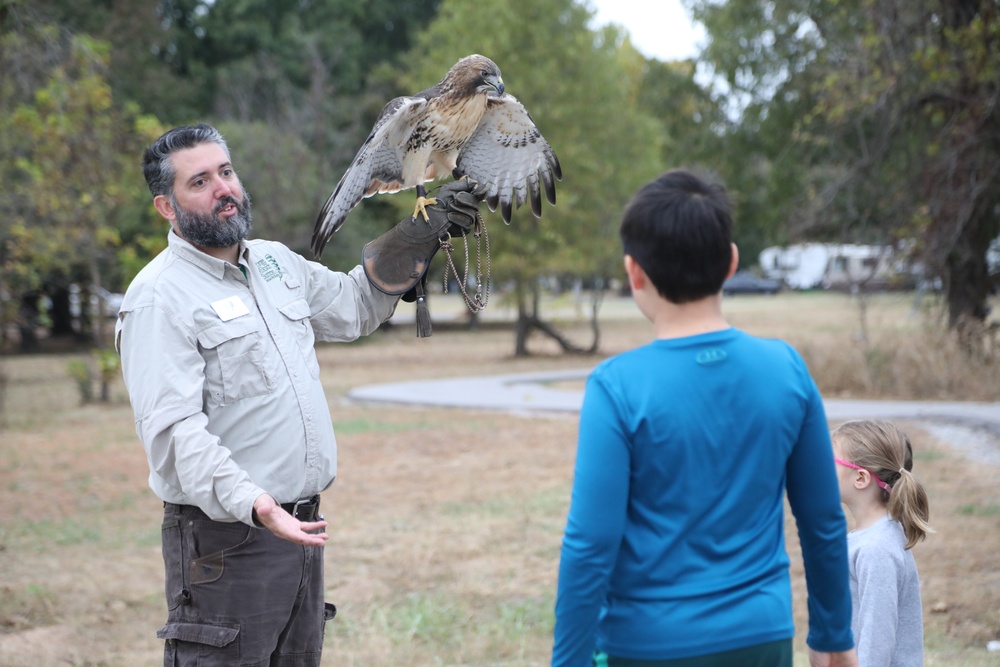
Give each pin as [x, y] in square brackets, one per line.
[378, 167]
[508, 155]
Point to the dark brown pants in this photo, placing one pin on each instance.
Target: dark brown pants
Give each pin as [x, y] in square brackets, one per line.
[238, 595]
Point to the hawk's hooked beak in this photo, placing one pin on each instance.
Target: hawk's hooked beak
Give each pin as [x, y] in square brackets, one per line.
[496, 82]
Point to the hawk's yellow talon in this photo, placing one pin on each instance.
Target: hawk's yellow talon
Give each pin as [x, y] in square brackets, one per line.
[422, 204]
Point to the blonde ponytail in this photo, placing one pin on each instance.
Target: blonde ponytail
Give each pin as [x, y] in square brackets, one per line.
[909, 506]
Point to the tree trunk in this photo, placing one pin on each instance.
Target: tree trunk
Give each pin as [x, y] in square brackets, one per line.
[968, 280]
[528, 320]
[99, 321]
[967, 285]
[61, 316]
[964, 178]
[105, 389]
[27, 322]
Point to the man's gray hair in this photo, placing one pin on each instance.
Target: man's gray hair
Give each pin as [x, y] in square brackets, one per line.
[157, 166]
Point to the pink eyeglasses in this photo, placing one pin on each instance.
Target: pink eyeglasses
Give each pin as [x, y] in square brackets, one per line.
[888, 489]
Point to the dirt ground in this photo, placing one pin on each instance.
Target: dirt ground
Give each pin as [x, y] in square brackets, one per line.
[445, 524]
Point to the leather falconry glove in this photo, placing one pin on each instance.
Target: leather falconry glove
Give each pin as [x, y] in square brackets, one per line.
[396, 262]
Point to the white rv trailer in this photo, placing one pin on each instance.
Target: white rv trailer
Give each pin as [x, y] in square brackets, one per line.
[833, 266]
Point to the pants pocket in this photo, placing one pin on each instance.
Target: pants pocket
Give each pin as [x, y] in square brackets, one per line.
[216, 541]
[199, 644]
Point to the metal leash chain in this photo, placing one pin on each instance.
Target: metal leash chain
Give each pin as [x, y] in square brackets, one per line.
[478, 301]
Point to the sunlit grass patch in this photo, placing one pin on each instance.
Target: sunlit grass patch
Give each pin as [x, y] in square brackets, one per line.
[47, 534]
[355, 426]
[972, 509]
[26, 606]
[438, 628]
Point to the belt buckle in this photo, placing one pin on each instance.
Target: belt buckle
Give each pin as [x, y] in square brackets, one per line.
[306, 504]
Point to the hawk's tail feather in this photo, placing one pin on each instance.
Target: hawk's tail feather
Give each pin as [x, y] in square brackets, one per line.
[319, 238]
[506, 188]
[326, 225]
[536, 203]
[321, 230]
[493, 200]
[550, 187]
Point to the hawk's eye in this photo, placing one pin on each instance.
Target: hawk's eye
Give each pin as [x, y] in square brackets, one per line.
[484, 74]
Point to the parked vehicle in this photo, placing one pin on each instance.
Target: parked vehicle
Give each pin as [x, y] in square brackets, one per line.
[112, 301]
[745, 282]
[839, 266]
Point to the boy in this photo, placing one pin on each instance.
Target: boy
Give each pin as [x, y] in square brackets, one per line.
[674, 548]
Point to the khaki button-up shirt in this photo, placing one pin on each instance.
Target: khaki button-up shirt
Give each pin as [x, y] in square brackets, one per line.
[222, 373]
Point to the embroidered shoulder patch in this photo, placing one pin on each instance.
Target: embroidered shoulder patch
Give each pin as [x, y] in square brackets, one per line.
[268, 268]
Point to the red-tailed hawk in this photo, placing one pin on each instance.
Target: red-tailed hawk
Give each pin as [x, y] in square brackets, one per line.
[465, 126]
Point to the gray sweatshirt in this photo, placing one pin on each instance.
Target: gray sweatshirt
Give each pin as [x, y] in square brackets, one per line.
[888, 621]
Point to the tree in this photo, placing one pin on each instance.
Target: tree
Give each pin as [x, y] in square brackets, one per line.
[691, 119]
[922, 88]
[761, 54]
[886, 115]
[144, 64]
[954, 98]
[69, 168]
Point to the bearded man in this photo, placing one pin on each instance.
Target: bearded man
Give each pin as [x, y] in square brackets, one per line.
[216, 338]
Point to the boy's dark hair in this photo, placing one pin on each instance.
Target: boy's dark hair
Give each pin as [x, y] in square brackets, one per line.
[157, 166]
[678, 228]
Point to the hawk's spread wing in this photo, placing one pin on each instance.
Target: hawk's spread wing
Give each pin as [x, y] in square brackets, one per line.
[378, 166]
[508, 155]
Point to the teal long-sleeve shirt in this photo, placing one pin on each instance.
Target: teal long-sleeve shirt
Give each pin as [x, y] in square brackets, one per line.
[674, 544]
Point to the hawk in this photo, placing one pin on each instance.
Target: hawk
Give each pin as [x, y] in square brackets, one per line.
[466, 126]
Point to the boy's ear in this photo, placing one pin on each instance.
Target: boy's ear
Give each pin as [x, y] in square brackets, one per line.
[734, 263]
[636, 276]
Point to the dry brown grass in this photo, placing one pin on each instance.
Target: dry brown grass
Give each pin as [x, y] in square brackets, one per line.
[445, 524]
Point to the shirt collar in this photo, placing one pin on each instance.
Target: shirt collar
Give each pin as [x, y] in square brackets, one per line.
[211, 265]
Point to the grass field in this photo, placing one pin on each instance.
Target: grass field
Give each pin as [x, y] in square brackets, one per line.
[445, 524]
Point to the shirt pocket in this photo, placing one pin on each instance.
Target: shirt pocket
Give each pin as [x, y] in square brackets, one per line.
[297, 314]
[234, 361]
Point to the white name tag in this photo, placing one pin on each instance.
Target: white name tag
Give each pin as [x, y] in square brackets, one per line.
[230, 308]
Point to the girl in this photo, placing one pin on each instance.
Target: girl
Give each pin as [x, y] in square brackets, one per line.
[890, 510]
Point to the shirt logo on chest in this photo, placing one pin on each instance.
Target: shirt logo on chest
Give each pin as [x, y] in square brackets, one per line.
[268, 268]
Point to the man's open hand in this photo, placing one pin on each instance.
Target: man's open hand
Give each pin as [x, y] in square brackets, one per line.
[287, 527]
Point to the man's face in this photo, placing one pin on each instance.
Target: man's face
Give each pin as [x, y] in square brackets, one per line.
[208, 207]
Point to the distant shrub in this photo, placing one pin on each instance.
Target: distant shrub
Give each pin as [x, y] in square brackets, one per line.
[80, 371]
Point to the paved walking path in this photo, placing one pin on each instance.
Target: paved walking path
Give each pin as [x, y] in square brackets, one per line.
[971, 426]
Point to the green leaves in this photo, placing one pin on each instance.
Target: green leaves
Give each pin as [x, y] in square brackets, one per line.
[869, 121]
[69, 166]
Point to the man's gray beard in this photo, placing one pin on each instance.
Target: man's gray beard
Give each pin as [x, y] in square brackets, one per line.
[208, 230]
